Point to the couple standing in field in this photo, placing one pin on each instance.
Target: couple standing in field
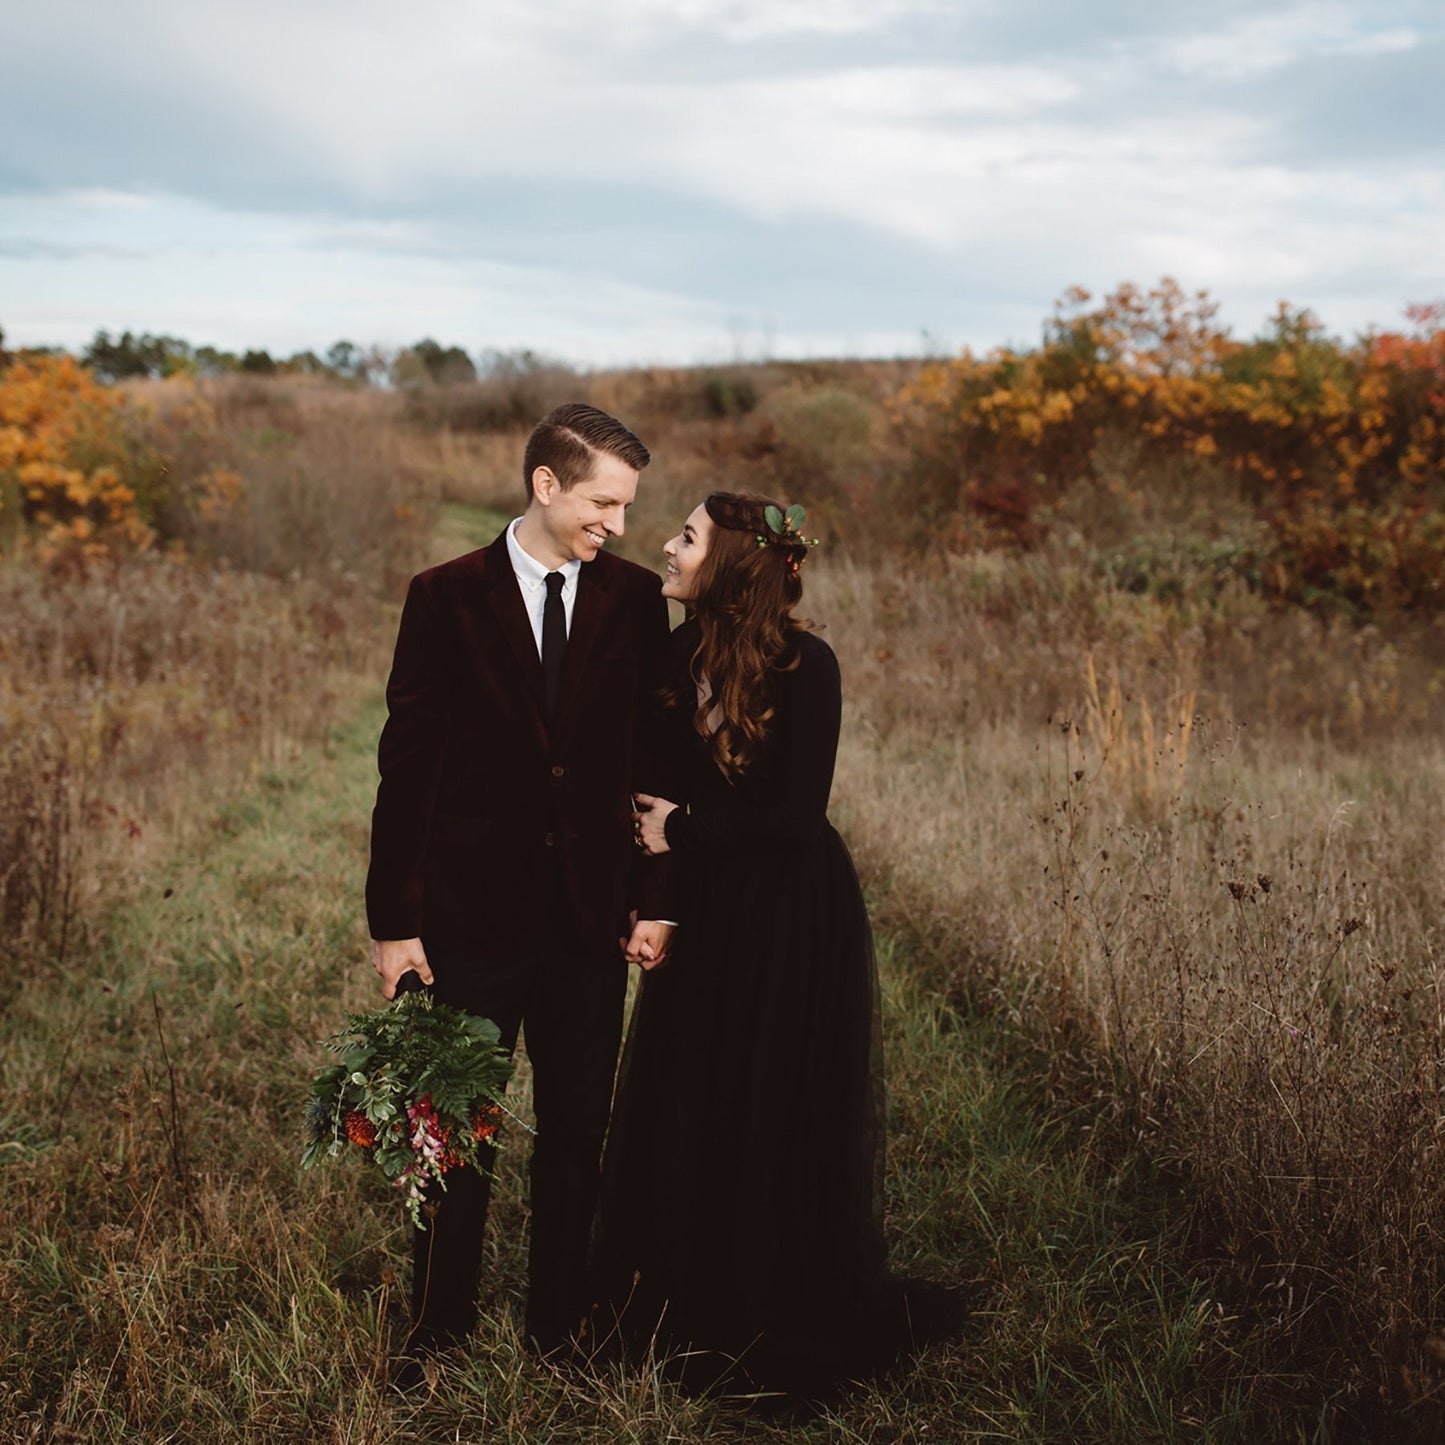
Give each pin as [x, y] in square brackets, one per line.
[566, 788]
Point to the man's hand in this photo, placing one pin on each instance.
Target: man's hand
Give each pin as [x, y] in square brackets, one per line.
[648, 944]
[649, 822]
[393, 957]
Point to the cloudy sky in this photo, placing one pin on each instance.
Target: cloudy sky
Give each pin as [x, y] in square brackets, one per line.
[622, 181]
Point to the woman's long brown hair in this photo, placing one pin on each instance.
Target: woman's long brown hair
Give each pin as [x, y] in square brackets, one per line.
[743, 605]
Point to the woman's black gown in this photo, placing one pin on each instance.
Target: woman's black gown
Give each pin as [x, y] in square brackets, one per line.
[741, 1223]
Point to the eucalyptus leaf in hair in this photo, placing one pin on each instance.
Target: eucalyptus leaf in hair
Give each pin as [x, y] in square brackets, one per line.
[784, 527]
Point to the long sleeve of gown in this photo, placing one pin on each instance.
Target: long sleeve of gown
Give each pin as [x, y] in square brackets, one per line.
[653, 887]
[808, 704]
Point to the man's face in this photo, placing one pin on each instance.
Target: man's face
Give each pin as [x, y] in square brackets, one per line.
[575, 525]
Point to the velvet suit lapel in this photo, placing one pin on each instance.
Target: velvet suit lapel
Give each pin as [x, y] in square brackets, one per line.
[589, 617]
[589, 614]
[504, 597]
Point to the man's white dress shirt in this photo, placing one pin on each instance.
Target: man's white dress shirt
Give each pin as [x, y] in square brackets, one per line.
[532, 579]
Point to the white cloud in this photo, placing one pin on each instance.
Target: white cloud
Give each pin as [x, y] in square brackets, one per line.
[102, 198]
[264, 280]
[290, 166]
[753, 20]
[1260, 43]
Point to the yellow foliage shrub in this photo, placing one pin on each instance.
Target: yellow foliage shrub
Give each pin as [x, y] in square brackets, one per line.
[1327, 440]
[62, 459]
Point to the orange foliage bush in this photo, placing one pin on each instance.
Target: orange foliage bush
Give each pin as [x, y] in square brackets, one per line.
[278, 479]
[1341, 447]
[90, 471]
[1024, 425]
[62, 458]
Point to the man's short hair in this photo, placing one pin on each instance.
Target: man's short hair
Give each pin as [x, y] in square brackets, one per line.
[568, 439]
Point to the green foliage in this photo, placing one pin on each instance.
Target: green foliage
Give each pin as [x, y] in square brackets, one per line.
[128, 355]
[426, 362]
[211, 361]
[346, 360]
[425, 1076]
[510, 390]
[729, 394]
[305, 363]
[1364, 561]
[1183, 569]
[824, 438]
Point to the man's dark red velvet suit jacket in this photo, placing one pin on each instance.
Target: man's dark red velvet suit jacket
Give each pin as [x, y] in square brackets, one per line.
[482, 809]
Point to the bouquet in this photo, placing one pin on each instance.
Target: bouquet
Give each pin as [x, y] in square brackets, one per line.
[418, 1090]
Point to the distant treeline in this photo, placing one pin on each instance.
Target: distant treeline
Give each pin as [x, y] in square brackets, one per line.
[141, 354]
[1301, 466]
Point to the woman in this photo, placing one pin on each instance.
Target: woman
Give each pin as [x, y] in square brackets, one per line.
[740, 1227]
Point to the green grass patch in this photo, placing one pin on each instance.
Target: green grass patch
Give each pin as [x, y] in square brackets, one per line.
[463, 528]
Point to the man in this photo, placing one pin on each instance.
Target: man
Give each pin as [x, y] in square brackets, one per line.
[502, 866]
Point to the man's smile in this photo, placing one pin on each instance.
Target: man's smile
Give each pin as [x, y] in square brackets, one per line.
[598, 539]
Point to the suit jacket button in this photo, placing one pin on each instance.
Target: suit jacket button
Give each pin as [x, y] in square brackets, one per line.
[550, 840]
[558, 770]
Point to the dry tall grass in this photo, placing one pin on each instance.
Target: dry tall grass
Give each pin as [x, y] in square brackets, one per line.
[1185, 840]
[134, 684]
[1188, 841]
[1210, 884]
[304, 479]
[132, 691]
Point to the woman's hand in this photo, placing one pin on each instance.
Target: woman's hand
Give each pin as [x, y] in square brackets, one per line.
[649, 822]
[648, 946]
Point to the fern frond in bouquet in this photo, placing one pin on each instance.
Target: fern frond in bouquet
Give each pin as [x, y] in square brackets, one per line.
[418, 1089]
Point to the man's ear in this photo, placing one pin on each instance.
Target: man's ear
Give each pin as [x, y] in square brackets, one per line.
[545, 485]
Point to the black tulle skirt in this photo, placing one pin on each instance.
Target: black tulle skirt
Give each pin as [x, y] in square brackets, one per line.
[740, 1233]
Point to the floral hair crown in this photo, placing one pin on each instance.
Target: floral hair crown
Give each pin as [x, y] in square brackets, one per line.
[783, 531]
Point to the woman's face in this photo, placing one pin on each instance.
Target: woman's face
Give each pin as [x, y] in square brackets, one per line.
[684, 556]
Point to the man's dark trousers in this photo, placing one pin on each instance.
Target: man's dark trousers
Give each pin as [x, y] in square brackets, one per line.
[571, 1005]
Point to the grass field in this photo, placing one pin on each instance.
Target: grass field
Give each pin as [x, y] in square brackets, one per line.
[1154, 850]
[170, 1274]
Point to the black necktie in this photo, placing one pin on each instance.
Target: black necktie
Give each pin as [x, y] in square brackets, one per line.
[554, 640]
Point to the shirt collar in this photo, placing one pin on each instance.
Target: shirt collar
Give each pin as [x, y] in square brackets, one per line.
[530, 572]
